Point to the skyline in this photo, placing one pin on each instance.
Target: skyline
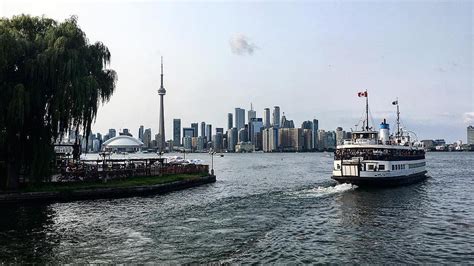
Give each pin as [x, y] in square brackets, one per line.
[308, 58]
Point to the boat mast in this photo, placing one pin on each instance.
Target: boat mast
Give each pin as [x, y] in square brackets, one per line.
[398, 121]
[366, 111]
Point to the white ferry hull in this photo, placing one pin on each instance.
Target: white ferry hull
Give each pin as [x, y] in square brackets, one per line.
[393, 173]
[382, 181]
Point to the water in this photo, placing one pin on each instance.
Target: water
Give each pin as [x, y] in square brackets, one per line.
[263, 208]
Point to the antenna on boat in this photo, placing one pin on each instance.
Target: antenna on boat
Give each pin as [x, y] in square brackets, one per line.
[366, 111]
[398, 118]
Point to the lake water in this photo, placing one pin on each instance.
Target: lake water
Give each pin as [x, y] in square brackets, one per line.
[269, 208]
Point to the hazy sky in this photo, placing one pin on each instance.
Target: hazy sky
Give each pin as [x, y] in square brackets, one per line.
[310, 58]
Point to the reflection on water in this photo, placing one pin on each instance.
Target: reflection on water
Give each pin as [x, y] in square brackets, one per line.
[264, 208]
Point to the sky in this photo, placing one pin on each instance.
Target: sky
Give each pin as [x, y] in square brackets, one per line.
[308, 57]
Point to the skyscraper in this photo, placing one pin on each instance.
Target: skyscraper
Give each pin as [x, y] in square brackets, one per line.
[177, 132]
[251, 113]
[239, 118]
[140, 133]
[229, 121]
[203, 129]
[209, 132]
[470, 135]
[195, 126]
[266, 118]
[276, 117]
[314, 131]
[162, 92]
[112, 133]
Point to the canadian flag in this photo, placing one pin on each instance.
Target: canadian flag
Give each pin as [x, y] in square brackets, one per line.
[363, 94]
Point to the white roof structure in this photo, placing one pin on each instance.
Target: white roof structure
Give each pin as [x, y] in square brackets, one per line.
[122, 141]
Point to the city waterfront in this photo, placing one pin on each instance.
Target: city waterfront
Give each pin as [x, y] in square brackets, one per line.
[264, 208]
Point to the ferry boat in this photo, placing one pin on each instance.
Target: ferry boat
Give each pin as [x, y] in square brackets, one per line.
[377, 158]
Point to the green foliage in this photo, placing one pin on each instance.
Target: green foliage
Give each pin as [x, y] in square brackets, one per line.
[51, 80]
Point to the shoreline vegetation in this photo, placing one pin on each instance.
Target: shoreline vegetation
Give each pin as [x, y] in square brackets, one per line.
[118, 188]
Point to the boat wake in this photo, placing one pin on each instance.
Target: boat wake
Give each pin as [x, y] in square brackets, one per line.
[323, 191]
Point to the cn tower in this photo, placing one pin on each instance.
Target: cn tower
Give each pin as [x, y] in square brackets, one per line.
[162, 93]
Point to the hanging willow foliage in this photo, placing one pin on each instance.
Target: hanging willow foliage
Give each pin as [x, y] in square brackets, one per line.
[51, 80]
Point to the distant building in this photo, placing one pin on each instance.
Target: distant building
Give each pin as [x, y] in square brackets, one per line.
[315, 133]
[251, 114]
[340, 135]
[276, 117]
[112, 133]
[244, 147]
[307, 139]
[255, 127]
[188, 143]
[220, 130]
[209, 132]
[266, 118]
[307, 125]
[122, 143]
[200, 143]
[195, 126]
[239, 118]
[147, 138]
[470, 135]
[270, 139]
[232, 139]
[290, 139]
[140, 133]
[243, 135]
[177, 132]
[188, 132]
[218, 142]
[203, 129]
[229, 121]
[286, 123]
[126, 132]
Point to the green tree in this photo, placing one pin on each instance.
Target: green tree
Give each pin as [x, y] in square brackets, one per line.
[51, 80]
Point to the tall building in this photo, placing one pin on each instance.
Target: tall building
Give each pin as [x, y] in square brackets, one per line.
[125, 132]
[276, 117]
[270, 139]
[255, 126]
[209, 132]
[470, 135]
[229, 121]
[218, 142]
[112, 133]
[195, 126]
[232, 139]
[147, 138]
[239, 118]
[203, 129]
[307, 125]
[251, 113]
[140, 133]
[290, 139]
[340, 135]
[177, 132]
[188, 132]
[266, 118]
[162, 93]
[220, 130]
[314, 131]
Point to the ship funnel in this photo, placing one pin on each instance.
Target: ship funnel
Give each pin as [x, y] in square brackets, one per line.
[384, 134]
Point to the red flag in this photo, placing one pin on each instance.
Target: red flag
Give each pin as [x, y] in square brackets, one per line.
[362, 94]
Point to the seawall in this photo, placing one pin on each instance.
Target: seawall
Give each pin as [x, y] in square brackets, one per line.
[103, 193]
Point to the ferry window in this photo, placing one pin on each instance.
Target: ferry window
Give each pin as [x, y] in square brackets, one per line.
[338, 166]
[393, 167]
[381, 167]
[371, 167]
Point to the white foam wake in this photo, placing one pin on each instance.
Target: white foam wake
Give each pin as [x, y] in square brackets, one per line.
[324, 191]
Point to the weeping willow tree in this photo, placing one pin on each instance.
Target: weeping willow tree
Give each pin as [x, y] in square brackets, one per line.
[51, 80]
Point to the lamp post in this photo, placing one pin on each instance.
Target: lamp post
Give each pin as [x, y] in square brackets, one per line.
[212, 152]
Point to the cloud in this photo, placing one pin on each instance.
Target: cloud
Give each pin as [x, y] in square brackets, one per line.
[469, 118]
[241, 45]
